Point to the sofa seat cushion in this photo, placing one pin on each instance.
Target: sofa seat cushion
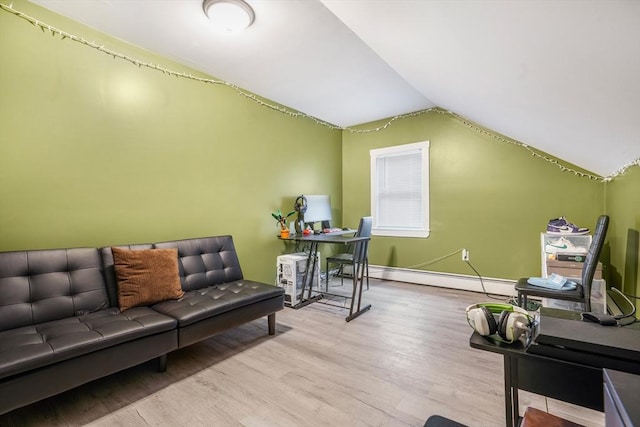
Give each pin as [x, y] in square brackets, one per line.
[30, 347]
[208, 302]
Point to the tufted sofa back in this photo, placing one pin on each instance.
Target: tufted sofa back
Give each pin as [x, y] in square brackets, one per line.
[44, 285]
[205, 261]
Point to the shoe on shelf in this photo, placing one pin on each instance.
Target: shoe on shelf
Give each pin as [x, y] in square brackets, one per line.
[563, 245]
[562, 226]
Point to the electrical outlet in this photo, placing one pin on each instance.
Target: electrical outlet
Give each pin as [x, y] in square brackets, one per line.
[465, 255]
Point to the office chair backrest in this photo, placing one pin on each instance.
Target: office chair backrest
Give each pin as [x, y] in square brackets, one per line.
[591, 260]
[364, 230]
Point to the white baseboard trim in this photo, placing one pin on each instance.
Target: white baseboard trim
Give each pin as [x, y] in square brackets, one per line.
[445, 280]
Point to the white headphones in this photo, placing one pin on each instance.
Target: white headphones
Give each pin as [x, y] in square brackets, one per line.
[513, 321]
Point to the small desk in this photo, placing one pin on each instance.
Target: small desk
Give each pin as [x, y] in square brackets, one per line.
[343, 238]
[572, 372]
[566, 381]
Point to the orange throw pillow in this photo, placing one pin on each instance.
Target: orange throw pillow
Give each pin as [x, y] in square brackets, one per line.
[146, 276]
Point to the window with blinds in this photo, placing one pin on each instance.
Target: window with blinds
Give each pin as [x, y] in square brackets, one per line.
[400, 190]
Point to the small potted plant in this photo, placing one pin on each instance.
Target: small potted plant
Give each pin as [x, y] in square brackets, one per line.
[282, 221]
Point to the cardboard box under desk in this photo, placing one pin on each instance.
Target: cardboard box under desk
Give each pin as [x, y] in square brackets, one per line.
[570, 268]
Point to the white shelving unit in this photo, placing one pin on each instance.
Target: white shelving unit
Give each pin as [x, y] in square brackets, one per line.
[571, 269]
[581, 241]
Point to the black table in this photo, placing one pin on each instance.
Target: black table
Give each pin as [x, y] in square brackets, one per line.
[342, 237]
[558, 379]
[568, 370]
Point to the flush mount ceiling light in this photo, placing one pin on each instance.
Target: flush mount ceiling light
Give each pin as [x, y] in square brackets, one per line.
[229, 16]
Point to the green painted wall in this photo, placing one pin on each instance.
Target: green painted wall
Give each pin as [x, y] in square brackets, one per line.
[623, 205]
[96, 151]
[491, 197]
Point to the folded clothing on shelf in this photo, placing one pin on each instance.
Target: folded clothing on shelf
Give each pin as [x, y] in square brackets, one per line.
[554, 281]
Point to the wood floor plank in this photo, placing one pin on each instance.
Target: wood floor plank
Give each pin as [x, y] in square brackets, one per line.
[404, 360]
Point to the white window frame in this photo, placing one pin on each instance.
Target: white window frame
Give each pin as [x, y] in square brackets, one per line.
[399, 229]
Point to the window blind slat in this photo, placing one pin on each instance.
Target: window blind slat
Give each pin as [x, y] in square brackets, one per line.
[399, 193]
[400, 190]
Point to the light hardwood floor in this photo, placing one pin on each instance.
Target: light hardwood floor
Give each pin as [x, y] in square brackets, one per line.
[406, 359]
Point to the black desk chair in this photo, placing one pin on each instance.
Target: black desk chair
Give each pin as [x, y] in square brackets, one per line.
[582, 293]
[438, 421]
[348, 258]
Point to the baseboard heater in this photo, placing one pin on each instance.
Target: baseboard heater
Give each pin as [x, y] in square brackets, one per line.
[444, 280]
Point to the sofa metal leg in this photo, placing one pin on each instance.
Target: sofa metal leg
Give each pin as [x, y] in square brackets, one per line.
[161, 363]
[271, 319]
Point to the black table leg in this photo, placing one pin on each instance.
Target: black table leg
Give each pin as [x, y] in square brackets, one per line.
[508, 402]
[361, 244]
[511, 403]
[515, 404]
[358, 277]
[312, 262]
[307, 278]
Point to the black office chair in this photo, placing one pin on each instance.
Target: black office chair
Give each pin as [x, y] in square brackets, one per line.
[438, 421]
[582, 293]
[347, 257]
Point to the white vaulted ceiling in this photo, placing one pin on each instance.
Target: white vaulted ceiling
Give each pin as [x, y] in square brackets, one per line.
[560, 76]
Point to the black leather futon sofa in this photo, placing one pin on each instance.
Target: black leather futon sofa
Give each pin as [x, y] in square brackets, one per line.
[61, 324]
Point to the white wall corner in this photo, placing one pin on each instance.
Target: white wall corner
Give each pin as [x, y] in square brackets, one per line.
[492, 286]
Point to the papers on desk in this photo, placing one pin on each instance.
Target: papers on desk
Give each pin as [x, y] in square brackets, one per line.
[331, 230]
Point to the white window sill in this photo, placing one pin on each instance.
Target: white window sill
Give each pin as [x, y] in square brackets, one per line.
[400, 233]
